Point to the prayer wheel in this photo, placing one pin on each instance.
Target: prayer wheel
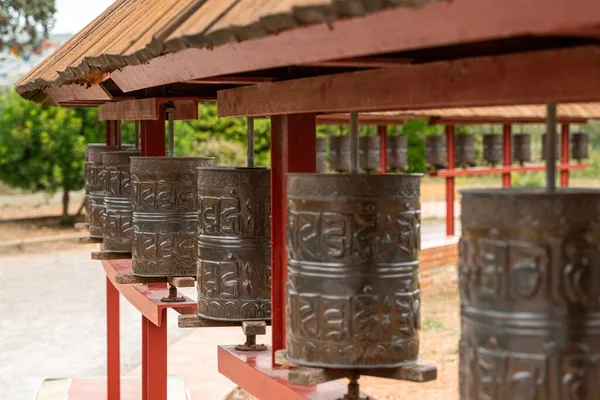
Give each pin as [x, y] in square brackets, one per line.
[397, 152]
[353, 291]
[436, 151]
[557, 154]
[339, 147]
[321, 150]
[165, 215]
[521, 147]
[579, 145]
[464, 150]
[95, 188]
[492, 148]
[529, 279]
[368, 153]
[118, 232]
[234, 247]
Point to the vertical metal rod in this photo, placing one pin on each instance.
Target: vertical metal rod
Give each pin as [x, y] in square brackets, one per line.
[450, 182]
[171, 133]
[354, 142]
[137, 135]
[113, 356]
[565, 142]
[382, 132]
[250, 122]
[551, 146]
[506, 153]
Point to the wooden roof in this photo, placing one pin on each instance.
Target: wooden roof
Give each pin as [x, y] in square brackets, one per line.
[132, 32]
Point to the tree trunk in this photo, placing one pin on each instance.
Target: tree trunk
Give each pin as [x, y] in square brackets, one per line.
[65, 203]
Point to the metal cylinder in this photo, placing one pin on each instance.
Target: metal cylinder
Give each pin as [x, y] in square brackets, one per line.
[118, 232]
[95, 188]
[436, 151]
[464, 150]
[579, 145]
[321, 149]
[397, 152]
[353, 291]
[339, 150]
[234, 247]
[165, 215]
[529, 281]
[492, 148]
[369, 153]
[521, 147]
[558, 152]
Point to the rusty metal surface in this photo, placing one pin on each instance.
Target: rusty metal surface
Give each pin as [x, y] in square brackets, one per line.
[529, 278]
[95, 188]
[492, 148]
[234, 247]
[118, 233]
[321, 150]
[435, 151]
[397, 149]
[464, 150]
[579, 145]
[521, 147]
[353, 290]
[557, 153]
[164, 215]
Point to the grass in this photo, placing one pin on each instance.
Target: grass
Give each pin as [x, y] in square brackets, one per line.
[432, 324]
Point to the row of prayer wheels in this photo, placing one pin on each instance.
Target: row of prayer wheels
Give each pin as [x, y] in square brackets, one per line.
[465, 149]
[368, 153]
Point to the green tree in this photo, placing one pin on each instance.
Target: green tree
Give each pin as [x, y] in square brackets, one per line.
[25, 23]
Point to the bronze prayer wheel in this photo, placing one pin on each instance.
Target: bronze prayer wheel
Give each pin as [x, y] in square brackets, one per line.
[321, 149]
[234, 248]
[521, 147]
[95, 188]
[368, 152]
[397, 150]
[165, 215]
[339, 149]
[529, 279]
[353, 291]
[544, 146]
[118, 232]
[579, 145]
[436, 151]
[464, 150]
[492, 148]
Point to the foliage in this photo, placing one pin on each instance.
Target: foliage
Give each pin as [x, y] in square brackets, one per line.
[25, 23]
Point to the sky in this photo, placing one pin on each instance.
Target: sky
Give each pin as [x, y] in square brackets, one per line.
[73, 15]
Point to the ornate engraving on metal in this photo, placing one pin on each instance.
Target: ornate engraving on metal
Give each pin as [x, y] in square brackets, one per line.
[492, 148]
[464, 150]
[368, 152]
[397, 153]
[95, 187]
[529, 279]
[579, 145]
[165, 215]
[118, 233]
[435, 151]
[544, 146]
[521, 147]
[321, 150]
[234, 247]
[339, 150]
[353, 291]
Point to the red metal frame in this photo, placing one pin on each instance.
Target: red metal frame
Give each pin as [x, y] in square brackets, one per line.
[450, 181]
[293, 149]
[445, 173]
[564, 154]
[382, 132]
[113, 351]
[506, 153]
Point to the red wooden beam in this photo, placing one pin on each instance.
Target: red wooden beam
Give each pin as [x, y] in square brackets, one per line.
[445, 173]
[566, 75]
[564, 154]
[506, 153]
[382, 132]
[450, 181]
[293, 149]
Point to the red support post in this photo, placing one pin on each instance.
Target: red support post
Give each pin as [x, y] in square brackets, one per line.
[153, 137]
[382, 132]
[154, 359]
[107, 132]
[293, 149]
[450, 181]
[506, 153]
[113, 356]
[564, 153]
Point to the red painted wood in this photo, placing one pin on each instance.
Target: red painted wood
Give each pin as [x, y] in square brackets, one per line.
[506, 153]
[450, 181]
[382, 132]
[154, 359]
[113, 353]
[564, 154]
[153, 137]
[255, 372]
[293, 149]
[445, 173]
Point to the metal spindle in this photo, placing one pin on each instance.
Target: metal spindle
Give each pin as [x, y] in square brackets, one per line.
[354, 142]
[250, 155]
[551, 147]
[137, 135]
